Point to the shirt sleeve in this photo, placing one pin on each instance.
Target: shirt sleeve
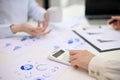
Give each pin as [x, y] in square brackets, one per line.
[104, 69]
[5, 31]
[35, 11]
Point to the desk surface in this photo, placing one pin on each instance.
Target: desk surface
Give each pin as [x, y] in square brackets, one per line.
[70, 73]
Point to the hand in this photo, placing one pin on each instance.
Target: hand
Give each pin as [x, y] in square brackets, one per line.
[34, 31]
[46, 16]
[116, 25]
[41, 30]
[38, 31]
[80, 58]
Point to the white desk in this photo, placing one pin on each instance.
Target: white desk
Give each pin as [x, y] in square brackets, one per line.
[70, 73]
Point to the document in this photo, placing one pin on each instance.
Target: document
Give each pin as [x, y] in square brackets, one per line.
[48, 43]
[32, 67]
[103, 38]
[25, 57]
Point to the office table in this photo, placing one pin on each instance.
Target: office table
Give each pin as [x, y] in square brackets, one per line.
[70, 73]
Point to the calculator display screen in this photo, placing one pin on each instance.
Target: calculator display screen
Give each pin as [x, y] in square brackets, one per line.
[58, 53]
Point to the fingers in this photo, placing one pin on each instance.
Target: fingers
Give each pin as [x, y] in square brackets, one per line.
[80, 58]
[47, 17]
[37, 32]
[38, 27]
[73, 52]
[41, 29]
[46, 21]
[116, 17]
[74, 61]
[38, 23]
[116, 26]
[44, 33]
[113, 19]
[115, 22]
[74, 64]
[45, 24]
[73, 57]
[33, 33]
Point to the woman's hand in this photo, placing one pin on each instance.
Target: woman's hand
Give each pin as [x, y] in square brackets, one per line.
[34, 31]
[80, 58]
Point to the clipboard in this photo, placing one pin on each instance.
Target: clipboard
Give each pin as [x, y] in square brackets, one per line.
[102, 38]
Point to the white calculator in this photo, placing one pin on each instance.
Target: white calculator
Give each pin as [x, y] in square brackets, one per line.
[61, 56]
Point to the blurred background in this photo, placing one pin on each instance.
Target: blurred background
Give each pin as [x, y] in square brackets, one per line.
[61, 3]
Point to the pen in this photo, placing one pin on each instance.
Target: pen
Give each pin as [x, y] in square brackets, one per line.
[113, 21]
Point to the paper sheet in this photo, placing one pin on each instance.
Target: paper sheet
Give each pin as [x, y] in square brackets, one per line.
[55, 40]
[31, 67]
[104, 37]
[26, 58]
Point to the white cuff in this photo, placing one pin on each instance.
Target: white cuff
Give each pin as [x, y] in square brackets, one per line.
[5, 31]
[96, 67]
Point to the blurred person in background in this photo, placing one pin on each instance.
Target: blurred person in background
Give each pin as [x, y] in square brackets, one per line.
[14, 15]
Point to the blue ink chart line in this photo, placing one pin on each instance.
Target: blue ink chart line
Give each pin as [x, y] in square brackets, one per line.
[30, 67]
